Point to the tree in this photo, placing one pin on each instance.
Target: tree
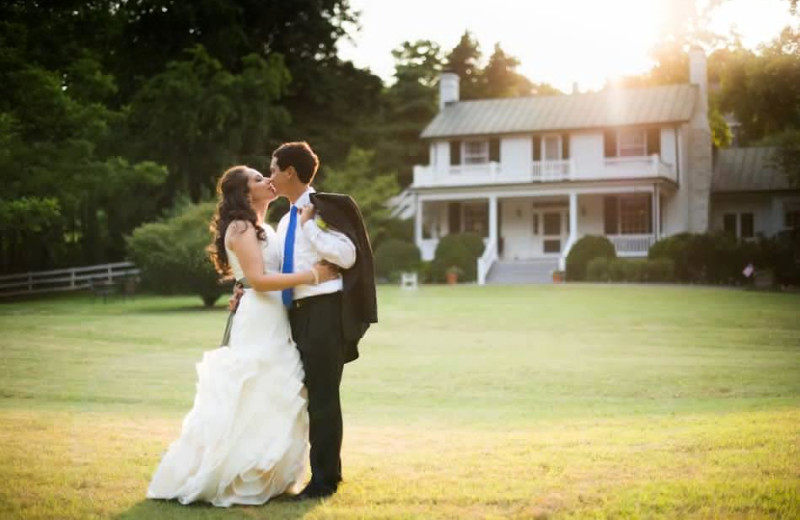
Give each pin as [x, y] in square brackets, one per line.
[196, 117]
[358, 178]
[499, 78]
[786, 156]
[464, 61]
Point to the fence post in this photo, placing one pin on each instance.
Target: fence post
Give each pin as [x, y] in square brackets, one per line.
[72, 278]
[30, 281]
[110, 277]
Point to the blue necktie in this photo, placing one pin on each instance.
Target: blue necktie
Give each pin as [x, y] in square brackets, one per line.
[288, 254]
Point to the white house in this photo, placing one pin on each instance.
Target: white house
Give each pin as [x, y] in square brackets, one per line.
[532, 175]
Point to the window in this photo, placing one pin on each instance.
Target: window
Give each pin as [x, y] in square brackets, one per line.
[791, 219]
[729, 224]
[635, 215]
[632, 143]
[476, 218]
[746, 225]
[476, 152]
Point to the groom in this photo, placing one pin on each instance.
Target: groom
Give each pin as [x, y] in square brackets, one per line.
[322, 326]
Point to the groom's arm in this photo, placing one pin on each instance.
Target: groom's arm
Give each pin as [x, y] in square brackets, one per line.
[331, 245]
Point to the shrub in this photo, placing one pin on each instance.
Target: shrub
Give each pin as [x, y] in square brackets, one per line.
[394, 256]
[459, 250]
[172, 254]
[616, 269]
[659, 270]
[584, 251]
[597, 270]
[632, 270]
[675, 248]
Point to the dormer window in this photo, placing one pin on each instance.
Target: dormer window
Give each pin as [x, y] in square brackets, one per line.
[476, 152]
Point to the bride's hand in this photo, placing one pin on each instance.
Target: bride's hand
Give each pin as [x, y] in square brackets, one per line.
[326, 271]
[307, 212]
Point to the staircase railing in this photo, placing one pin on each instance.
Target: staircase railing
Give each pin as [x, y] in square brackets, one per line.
[486, 261]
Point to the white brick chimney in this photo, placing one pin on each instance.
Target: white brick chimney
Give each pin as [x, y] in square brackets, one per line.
[448, 89]
[698, 74]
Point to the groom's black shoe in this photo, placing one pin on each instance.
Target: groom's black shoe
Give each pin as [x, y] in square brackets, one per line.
[313, 491]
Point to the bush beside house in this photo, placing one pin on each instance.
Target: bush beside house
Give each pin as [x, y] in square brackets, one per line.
[459, 251]
[394, 256]
[584, 251]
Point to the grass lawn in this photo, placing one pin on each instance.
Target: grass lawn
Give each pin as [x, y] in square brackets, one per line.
[566, 401]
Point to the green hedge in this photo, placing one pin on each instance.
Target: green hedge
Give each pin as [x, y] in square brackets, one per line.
[459, 250]
[394, 256]
[630, 270]
[717, 258]
[172, 254]
[584, 251]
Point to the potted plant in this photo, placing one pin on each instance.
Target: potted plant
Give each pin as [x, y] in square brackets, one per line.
[558, 276]
[452, 274]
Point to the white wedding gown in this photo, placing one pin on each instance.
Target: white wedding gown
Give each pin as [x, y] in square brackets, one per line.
[246, 438]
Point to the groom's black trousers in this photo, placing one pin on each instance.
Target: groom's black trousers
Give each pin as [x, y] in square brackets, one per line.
[317, 329]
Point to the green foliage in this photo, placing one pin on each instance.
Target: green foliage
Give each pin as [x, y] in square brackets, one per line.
[584, 251]
[370, 189]
[603, 269]
[172, 254]
[786, 156]
[394, 256]
[460, 250]
[197, 117]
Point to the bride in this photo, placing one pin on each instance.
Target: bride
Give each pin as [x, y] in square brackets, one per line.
[246, 438]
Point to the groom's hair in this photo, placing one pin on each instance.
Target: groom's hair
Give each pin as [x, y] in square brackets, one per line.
[299, 155]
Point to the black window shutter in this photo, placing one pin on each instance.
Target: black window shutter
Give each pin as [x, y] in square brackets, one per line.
[494, 150]
[610, 215]
[455, 153]
[565, 146]
[653, 141]
[537, 148]
[610, 143]
[454, 217]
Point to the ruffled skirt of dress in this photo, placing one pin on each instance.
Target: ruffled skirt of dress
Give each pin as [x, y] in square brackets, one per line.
[246, 438]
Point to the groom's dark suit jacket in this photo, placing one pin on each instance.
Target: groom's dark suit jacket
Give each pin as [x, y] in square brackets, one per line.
[359, 301]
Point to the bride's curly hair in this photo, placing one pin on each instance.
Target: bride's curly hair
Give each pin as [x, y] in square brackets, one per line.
[233, 204]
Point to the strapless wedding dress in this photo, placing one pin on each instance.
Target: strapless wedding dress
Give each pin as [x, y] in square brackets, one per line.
[246, 438]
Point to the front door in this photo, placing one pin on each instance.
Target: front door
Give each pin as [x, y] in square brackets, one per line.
[549, 231]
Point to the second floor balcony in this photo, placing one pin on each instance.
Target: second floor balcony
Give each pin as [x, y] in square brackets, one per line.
[565, 170]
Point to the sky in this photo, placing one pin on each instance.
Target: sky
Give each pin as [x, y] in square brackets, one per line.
[557, 41]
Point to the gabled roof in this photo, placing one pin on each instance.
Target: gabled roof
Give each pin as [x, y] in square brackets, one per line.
[640, 106]
[747, 169]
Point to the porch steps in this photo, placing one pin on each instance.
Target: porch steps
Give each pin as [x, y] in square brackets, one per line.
[539, 271]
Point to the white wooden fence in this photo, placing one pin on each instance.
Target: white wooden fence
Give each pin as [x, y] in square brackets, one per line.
[65, 279]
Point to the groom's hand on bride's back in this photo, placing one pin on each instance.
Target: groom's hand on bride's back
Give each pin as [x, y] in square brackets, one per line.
[238, 292]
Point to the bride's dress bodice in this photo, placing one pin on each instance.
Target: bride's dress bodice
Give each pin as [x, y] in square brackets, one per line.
[260, 314]
[270, 254]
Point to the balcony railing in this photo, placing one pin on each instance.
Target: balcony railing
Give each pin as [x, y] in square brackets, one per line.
[632, 245]
[543, 171]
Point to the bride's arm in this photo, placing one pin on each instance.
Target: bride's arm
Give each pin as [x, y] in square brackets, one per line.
[244, 243]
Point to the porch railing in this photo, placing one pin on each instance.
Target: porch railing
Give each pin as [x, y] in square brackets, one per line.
[64, 279]
[632, 245]
[486, 261]
[544, 171]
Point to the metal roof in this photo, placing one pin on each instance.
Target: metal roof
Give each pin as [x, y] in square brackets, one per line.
[747, 169]
[618, 107]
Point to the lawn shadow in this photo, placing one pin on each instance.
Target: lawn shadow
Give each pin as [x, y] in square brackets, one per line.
[277, 508]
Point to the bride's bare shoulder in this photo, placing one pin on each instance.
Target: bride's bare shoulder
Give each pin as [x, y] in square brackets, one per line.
[237, 230]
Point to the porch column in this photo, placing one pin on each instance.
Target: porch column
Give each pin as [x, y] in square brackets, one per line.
[493, 220]
[573, 218]
[418, 222]
[656, 205]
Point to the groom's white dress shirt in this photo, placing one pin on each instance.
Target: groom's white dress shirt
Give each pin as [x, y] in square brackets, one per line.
[312, 245]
